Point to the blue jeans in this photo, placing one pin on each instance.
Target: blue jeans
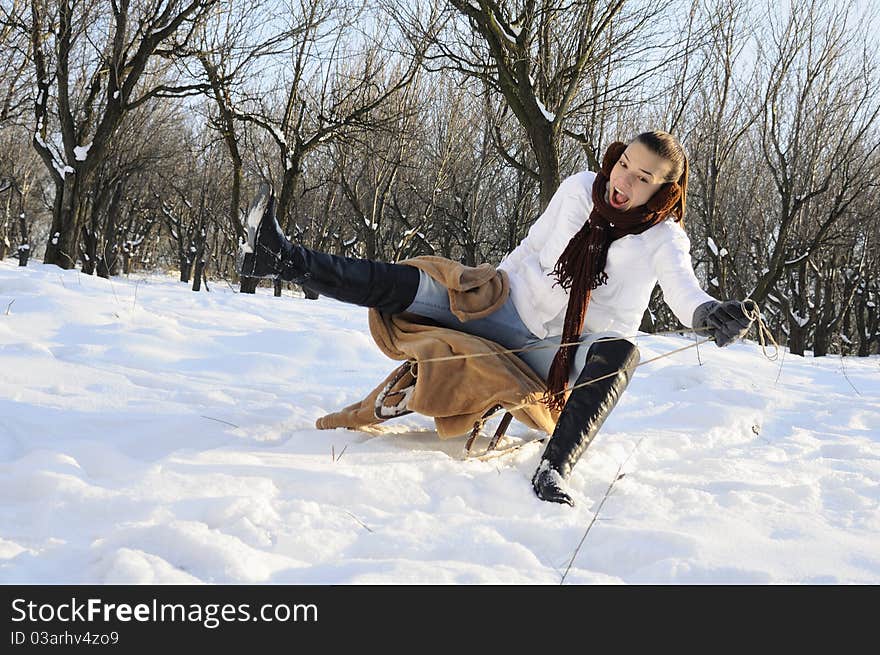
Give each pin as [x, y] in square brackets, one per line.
[503, 326]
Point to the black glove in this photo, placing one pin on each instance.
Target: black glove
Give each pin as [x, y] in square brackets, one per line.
[726, 321]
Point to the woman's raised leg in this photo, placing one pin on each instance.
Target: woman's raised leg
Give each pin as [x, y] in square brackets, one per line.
[390, 288]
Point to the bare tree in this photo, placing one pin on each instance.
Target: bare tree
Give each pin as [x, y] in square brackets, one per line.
[234, 41]
[341, 74]
[862, 318]
[94, 62]
[818, 124]
[15, 62]
[16, 166]
[716, 127]
[479, 199]
[551, 63]
[369, 169]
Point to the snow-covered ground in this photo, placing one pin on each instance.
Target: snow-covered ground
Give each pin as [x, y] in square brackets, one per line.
[149, 434]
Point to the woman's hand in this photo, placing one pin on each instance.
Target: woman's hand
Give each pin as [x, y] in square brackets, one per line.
[725, 321]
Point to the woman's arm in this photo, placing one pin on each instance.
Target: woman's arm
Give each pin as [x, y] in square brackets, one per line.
[673, 267]
[725, 321]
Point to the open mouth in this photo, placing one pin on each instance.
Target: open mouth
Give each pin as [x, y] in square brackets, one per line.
[617, 198]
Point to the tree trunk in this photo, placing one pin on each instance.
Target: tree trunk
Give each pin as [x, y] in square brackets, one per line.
[24, 248]
[235, 200]
[873, 328]
[249, 284]
[797, 338]
[108, 260]
[197, 275]
[64, 234]
[4, 233]
[864, 339]
[246, 284]
[285, 198]
[820, 341]
[545, 147]
[90, 235]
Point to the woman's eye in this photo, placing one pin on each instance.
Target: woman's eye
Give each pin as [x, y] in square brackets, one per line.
[620, 161]
[644, 179]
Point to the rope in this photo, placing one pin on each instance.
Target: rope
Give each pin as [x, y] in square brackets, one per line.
[447, 358]
[612, 374]
[752, 312]
[748, 306]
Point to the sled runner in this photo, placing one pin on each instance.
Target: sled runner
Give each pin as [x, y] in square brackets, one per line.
[478, 429]
[391, 402]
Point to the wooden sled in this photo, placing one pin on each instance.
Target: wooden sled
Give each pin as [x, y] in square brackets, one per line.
[392, 402]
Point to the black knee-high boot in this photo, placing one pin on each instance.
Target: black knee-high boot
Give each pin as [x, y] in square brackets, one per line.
[390, 288]
[584, 413]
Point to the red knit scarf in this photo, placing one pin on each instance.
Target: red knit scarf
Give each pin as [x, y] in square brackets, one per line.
[581, 267]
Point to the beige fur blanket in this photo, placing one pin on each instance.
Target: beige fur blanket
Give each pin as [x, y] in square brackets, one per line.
[456, 393]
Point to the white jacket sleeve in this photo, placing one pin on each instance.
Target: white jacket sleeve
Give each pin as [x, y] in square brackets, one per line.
[675, 272]
[566, 213]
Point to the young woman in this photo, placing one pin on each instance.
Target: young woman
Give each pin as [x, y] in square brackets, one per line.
[584, 273]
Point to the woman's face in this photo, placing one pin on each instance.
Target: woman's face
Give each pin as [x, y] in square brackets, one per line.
[637, 175]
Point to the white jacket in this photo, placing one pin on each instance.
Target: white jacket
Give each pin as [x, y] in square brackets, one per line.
[635, 263]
